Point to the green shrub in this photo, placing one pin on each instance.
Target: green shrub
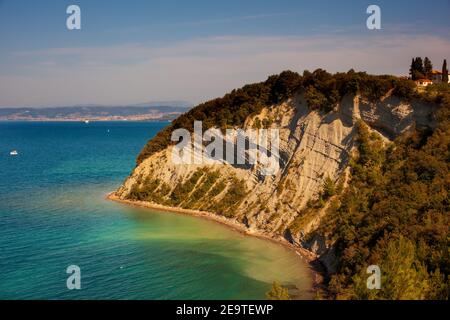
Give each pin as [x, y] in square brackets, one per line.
[278, 292]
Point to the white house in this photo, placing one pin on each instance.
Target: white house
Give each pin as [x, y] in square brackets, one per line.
[436, 76]
[423, 82]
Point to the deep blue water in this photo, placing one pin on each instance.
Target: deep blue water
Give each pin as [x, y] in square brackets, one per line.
[53, 214]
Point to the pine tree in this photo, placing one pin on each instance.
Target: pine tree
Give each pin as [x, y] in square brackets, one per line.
[428, 67]
[444, 72]
[411, 69]
[329, 188]
[402, 276]
[417, 69]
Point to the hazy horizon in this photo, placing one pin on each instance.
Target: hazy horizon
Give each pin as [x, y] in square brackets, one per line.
[168, 104]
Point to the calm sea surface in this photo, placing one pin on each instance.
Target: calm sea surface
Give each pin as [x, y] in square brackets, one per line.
[53, 214]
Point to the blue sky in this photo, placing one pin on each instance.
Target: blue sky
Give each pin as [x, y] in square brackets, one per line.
[136, 51]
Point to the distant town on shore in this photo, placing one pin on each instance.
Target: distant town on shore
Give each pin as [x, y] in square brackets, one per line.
[95, 113]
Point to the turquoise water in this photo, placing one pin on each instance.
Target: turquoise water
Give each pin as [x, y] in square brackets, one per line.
[53, 214]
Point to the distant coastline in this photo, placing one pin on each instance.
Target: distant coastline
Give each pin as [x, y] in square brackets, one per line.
[168, 119]
[94, 113]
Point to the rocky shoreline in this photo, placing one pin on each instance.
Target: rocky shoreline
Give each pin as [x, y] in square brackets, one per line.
[318, 272]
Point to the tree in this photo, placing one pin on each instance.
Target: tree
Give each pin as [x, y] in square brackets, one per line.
[315, 99]
[444, 72]
[427, 67]
[329, 188]
[403, 277]
[419, 65]
[277, 292]
[417, 69]
[411, 69]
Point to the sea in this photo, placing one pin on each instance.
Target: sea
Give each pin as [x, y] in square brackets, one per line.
[54, 215]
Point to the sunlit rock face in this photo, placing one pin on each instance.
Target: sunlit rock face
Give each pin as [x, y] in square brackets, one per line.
[313, 146]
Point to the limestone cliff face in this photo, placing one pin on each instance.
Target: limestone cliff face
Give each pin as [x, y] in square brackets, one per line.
[313, 146]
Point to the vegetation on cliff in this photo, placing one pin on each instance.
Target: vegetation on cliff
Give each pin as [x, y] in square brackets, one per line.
[278, 292]
[322, 91]
[203, 190]
[395, 214]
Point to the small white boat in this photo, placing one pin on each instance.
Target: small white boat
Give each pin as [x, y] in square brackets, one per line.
[86, 121]
[13, 153]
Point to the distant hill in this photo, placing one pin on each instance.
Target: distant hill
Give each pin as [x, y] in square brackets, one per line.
[96, 113]
[176, 103]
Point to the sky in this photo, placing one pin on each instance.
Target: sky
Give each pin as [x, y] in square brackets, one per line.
[134, 51]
